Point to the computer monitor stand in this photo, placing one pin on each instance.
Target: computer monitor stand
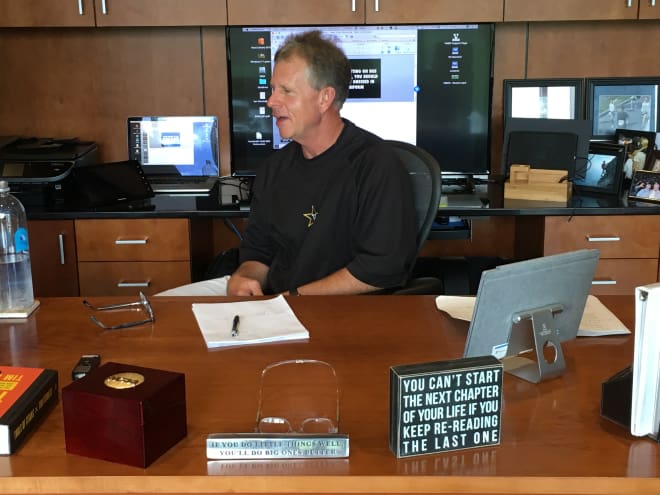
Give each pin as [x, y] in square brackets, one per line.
[536, 332]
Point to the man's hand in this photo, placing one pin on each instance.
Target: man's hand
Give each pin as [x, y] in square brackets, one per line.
[248, 279]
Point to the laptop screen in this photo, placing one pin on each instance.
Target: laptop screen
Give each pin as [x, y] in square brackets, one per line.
[185, 146]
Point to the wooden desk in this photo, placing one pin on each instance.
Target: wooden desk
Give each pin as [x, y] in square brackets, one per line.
[553, 440]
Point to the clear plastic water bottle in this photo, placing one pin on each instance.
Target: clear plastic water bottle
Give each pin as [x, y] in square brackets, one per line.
[16, 290]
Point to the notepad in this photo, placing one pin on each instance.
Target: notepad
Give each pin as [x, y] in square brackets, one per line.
[596, 321]
[262, 321]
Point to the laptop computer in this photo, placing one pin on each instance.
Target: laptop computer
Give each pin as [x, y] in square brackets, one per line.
[179, 154]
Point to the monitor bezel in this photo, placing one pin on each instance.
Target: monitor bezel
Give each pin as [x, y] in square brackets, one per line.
[510, 84]
[595, 86]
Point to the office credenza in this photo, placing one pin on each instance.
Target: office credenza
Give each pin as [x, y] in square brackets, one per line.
[553, 439]
[169, 240]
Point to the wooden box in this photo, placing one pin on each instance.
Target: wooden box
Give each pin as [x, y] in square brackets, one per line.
[124, 413]
[531, 184]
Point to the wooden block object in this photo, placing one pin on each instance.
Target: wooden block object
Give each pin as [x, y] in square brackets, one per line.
[537, 184]
[124, 413]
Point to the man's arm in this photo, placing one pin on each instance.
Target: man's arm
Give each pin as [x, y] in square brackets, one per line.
[339, 282]
[248, 280]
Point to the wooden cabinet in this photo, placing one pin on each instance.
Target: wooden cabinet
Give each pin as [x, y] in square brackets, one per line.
[629, 247]
[420, 11]
[570, 10]
[46, 13]
[160, 12]
[53, 258]
[88, 13]
[649, 9]
[122, 257]
[292, 12]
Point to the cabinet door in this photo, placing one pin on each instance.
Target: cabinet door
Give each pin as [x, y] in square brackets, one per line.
[410, 11]
[53, 258]
[46, 13]
[649, 9]
[160, 13]
[569, 10]
[285, 12]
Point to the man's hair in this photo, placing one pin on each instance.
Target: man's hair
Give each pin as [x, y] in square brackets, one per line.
[327, 64]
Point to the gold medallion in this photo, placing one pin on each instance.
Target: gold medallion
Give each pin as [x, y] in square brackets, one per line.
[126, 379]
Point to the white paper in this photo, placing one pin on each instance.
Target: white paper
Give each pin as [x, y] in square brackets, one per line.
[262, 321]
[597, 320]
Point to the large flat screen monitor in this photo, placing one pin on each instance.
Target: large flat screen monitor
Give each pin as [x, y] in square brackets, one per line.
[530, 305]
[428, 85]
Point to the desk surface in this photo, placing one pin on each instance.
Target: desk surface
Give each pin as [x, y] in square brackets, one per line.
[552, 438]
[163, 205]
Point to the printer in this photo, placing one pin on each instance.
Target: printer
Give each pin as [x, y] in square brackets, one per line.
[38, 170]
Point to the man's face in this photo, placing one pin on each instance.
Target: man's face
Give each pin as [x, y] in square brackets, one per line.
[294, 103]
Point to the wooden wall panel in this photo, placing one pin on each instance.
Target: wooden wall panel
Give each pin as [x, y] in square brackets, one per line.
[86, 82]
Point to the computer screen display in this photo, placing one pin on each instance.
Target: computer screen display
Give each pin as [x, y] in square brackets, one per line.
[543, 98]
[428, 85]
[183, 145]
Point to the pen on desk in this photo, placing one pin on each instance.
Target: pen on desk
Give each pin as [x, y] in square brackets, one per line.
[234, 326]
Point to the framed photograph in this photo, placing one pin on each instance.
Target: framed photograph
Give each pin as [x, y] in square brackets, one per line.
[604, 174]
[622, 103]
[645, 186]
[543, 98]
[655, 161]
[640, 146]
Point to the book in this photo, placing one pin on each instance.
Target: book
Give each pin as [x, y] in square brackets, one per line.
[645, 413]
[26, 396]
[248, 322]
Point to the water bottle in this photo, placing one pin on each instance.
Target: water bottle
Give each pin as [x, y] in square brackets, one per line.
[15, 273]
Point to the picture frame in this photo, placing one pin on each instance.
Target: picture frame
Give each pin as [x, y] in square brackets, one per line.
[604, 174]
[622, 103]
[640, 146]
[557, 98]
[645, 187]
[654, 165]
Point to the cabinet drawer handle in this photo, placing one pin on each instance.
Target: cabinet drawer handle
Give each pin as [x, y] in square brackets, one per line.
[608, 281]
[104, 7]
[628, 3]
[353, 7]
[377, 6]
[80, 8]
[120, 242]
[133, 284]
[652, 3]
[60, 243]
[605, 238]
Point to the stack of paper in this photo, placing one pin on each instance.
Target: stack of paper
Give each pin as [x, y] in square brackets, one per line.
[596, 321]
[262, 321]
[645, 414]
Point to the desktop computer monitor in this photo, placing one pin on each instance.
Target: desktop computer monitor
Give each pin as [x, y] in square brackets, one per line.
[428, 85]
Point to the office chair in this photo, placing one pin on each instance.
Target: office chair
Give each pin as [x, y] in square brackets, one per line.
[424, 172]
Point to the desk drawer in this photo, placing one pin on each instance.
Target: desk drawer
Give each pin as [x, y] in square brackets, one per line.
[621, 276]
[164, 239]
[628, 236]
[128, 278]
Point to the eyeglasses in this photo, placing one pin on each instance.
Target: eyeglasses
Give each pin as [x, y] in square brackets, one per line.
[298, 396]
[142, 304]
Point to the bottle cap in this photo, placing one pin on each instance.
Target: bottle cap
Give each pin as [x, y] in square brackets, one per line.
[4, 186]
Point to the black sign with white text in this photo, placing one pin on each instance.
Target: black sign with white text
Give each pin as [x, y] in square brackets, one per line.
[445, 405]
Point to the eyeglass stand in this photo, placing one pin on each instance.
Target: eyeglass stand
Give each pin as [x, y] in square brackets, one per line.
[19, 313]
[228, 446]
[545, 335]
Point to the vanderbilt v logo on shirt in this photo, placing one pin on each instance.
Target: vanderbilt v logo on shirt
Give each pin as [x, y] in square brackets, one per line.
[311, 216]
